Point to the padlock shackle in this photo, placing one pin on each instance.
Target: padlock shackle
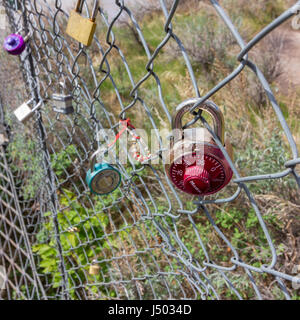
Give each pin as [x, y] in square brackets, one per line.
[37, 106]
[94, 156]
[63, 86]
[207, 106]
[93, 159]
[79, 6]
[29, 101]
[95, 11]
[27, 35]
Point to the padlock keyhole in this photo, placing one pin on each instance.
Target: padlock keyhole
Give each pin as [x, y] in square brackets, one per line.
[12, 41]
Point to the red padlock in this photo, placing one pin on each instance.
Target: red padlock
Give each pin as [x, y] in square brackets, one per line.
[196, 164]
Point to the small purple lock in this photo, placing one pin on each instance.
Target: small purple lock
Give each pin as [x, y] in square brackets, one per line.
[14, 44]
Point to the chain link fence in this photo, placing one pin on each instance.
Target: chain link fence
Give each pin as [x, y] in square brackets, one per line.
[146, 240]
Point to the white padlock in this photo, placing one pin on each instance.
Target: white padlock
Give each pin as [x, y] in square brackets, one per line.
[24, 112]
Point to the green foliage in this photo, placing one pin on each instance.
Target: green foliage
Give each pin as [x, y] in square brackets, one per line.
[255, 14]
[79, 247]
[205, 51]
[23, 151]
[62, 161]
[228, 219]
[254, 161]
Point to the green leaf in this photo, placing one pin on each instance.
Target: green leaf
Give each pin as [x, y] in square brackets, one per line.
[73, 240]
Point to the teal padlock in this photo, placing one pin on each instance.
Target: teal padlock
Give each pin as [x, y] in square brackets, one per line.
[102, 178]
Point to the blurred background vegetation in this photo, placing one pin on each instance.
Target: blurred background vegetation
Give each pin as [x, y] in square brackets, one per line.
[251, 125]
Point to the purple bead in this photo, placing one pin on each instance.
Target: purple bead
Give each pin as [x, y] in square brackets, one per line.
[14, 44]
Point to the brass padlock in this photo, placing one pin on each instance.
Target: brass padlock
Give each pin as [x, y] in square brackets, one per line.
[80, 28]
[94, 268]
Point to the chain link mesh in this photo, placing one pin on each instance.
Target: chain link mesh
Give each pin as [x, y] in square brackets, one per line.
[145, 239]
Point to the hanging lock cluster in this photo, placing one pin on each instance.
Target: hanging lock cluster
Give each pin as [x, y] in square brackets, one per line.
[198, 167]
[102, 178]
[80, 28]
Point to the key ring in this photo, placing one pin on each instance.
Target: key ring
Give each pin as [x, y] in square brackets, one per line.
[141, 154]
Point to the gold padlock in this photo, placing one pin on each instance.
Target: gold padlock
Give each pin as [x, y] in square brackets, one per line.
[94, 268]
[80, 28]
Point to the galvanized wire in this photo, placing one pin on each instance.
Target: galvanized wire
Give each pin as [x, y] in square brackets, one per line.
[134, 237]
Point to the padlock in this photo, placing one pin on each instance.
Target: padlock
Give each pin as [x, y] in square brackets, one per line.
[80, 28]
[102, 178]
[63, 101]
[198, 167]
[15, 44]
[24, 112]
[94, 268]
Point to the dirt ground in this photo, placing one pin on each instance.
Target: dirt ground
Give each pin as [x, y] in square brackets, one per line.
[290, 59]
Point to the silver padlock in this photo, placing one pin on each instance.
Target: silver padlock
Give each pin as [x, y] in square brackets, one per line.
[24, 112]
[63, 102]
